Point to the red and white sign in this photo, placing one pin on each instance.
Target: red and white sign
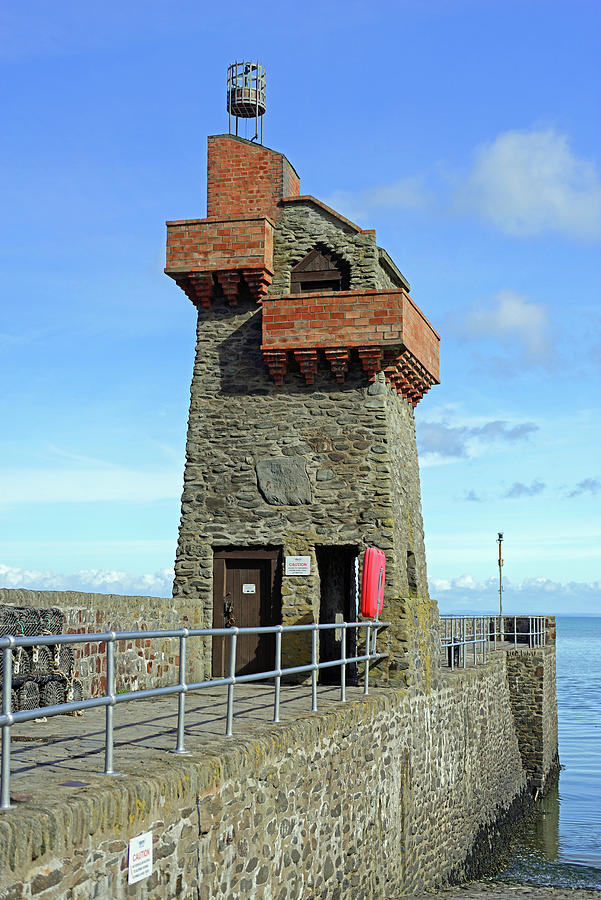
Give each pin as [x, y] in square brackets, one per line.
[140, 858]
[298, 565]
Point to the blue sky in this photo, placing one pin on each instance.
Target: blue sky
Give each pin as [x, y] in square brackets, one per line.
[466, 132]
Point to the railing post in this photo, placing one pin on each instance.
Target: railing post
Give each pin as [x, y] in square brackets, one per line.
[181, 697]
[515, 632]
[229, 729]
[278, 677]
[314, 634]
[482, 636]
[343, 665]
[7, 684]
[367, 654]
[110, 694]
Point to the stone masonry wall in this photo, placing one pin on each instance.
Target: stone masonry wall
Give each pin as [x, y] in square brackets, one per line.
[140, 663]
[303, 225]
[533, 693]
[342, 438]
[395, 793]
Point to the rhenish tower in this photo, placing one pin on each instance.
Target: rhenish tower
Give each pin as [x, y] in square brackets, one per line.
[310, 360]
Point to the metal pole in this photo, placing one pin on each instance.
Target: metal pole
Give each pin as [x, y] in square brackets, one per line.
[110, 693]
[7, 683]
[229, 100]
[181, 697]
[278, 677]
[314, 670]
[367, 653]
[500, 543]
[230, 688]
[343, 666]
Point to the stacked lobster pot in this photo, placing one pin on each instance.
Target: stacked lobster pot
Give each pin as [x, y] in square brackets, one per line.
[43, 674]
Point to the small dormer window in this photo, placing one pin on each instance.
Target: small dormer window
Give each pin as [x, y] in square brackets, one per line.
[320, 271]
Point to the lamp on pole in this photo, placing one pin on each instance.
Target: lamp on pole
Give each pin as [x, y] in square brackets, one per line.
[500, 542]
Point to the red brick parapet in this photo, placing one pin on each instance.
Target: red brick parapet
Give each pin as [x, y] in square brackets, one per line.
[204, 253]
[386, 328]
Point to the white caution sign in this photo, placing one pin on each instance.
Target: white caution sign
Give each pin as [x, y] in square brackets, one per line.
[298, 565]
[140, 858]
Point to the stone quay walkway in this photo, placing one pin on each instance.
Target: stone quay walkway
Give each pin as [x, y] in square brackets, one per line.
[66, 753]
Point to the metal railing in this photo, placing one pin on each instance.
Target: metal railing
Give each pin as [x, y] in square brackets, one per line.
[9, 643]
[465, 638]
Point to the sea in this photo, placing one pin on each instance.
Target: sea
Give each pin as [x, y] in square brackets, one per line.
[559, 843]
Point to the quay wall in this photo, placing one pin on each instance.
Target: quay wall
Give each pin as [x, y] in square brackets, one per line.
[392, 794]
[139, 664]
[533, 695]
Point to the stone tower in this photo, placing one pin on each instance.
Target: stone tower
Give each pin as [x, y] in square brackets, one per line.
[310, 359]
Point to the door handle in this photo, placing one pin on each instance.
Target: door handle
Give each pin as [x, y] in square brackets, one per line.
[229, 619]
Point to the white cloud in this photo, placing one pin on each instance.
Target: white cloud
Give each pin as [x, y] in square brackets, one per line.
[99, 581]
[510, 318]
[530, 182]
[523, 182]
[532, 595]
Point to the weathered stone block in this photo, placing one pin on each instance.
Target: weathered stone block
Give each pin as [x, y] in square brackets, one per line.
[283, 480]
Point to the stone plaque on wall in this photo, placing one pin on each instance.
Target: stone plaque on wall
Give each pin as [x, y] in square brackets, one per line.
[283, 480]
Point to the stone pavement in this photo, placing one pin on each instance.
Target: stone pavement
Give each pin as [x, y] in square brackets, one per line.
[47, 756]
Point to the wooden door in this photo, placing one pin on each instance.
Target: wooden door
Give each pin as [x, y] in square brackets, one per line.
[245, 595]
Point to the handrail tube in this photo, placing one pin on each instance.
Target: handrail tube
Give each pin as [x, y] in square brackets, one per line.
[110, 699]
[457, 633]
[82, 637]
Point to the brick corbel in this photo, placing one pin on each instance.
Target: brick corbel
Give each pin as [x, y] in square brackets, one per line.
[258, 281]
[276, 363]
[229, 282]
[307, 361]
[198, 286]
[371, 360]
[338, 360]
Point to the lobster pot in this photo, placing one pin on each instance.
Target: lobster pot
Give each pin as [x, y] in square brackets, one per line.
[21, 662]
[14, 700]
[53, 620]
[30, 621]
[64, 658]
[52, 693]
[74, 691]
[29, 695]
[9, 617]
[42, 660]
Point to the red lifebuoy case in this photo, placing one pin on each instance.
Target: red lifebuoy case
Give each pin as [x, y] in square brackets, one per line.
[372, 582]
